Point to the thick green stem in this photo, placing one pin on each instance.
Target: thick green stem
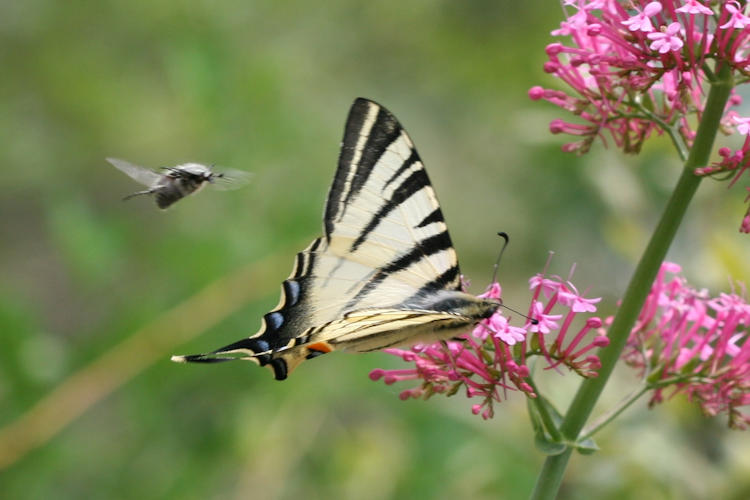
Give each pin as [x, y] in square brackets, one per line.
[580, 409]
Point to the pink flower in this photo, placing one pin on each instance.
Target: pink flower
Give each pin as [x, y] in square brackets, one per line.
[574, 23]
[546, 322]
[491, 360]
[494, 291]
[743, 124]
[576, 302]
[666, 40]
[503, 330]
[686, 341]
[548, 286]
[737, 20]
[641, 21]
[694, 7]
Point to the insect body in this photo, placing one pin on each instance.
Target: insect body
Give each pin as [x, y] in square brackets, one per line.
[177, 182]
[384, 273]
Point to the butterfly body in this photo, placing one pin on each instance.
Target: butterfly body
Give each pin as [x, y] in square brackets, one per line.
[384, 273]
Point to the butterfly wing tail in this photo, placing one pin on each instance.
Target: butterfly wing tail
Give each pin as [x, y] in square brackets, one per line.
[280, 361]
[202, 358]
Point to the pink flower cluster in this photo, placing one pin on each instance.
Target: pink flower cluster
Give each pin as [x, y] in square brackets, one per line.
[686, 341]
[492, 359]
[638, 67]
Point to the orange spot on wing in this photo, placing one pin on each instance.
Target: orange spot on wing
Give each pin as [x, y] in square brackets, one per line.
[320, 347]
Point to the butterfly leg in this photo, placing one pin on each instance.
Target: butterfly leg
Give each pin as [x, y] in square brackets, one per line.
[450, 354]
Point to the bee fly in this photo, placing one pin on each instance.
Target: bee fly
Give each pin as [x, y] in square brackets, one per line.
[178, 182]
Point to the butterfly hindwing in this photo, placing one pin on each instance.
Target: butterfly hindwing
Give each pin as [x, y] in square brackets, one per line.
[384, 273]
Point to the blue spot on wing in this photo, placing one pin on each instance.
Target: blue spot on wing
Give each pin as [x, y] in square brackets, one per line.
[274, 320]
[291, 292]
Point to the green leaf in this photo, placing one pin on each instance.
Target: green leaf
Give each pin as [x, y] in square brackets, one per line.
[547, 446]
[586, 446]
[543, 440]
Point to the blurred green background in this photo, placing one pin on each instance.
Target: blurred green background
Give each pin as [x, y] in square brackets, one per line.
[90, 405]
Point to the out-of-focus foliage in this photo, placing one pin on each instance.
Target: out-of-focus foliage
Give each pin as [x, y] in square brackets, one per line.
[265, 86]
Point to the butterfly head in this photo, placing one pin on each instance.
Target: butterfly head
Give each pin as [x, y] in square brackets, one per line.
[483, 308]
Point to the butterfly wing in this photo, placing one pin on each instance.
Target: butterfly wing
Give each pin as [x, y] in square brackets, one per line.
[143, 175]
[382, 212]
[383, 267]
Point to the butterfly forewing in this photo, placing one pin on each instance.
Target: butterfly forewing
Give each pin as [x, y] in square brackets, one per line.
[381, 208]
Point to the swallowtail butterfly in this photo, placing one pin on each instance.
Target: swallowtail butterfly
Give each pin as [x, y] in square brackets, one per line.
[384, 273]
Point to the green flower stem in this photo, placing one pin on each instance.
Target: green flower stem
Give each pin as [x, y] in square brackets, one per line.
[615, 412]
[552, 472]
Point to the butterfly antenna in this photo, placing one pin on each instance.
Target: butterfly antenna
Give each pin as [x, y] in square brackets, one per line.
[504, 236]
[530, 320]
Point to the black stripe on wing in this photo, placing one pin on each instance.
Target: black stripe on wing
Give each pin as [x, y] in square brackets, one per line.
[434, 216]
[411, 160]
[448, 280]
[411, 185]
[422, 249]
[351, 176]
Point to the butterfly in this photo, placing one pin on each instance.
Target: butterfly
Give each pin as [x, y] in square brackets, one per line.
[384, 273]
[178, 182]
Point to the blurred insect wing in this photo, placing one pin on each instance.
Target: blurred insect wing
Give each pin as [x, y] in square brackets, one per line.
[229, 179]
[143, 175]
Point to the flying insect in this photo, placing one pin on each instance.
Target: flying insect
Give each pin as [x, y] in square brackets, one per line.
[174, 183]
